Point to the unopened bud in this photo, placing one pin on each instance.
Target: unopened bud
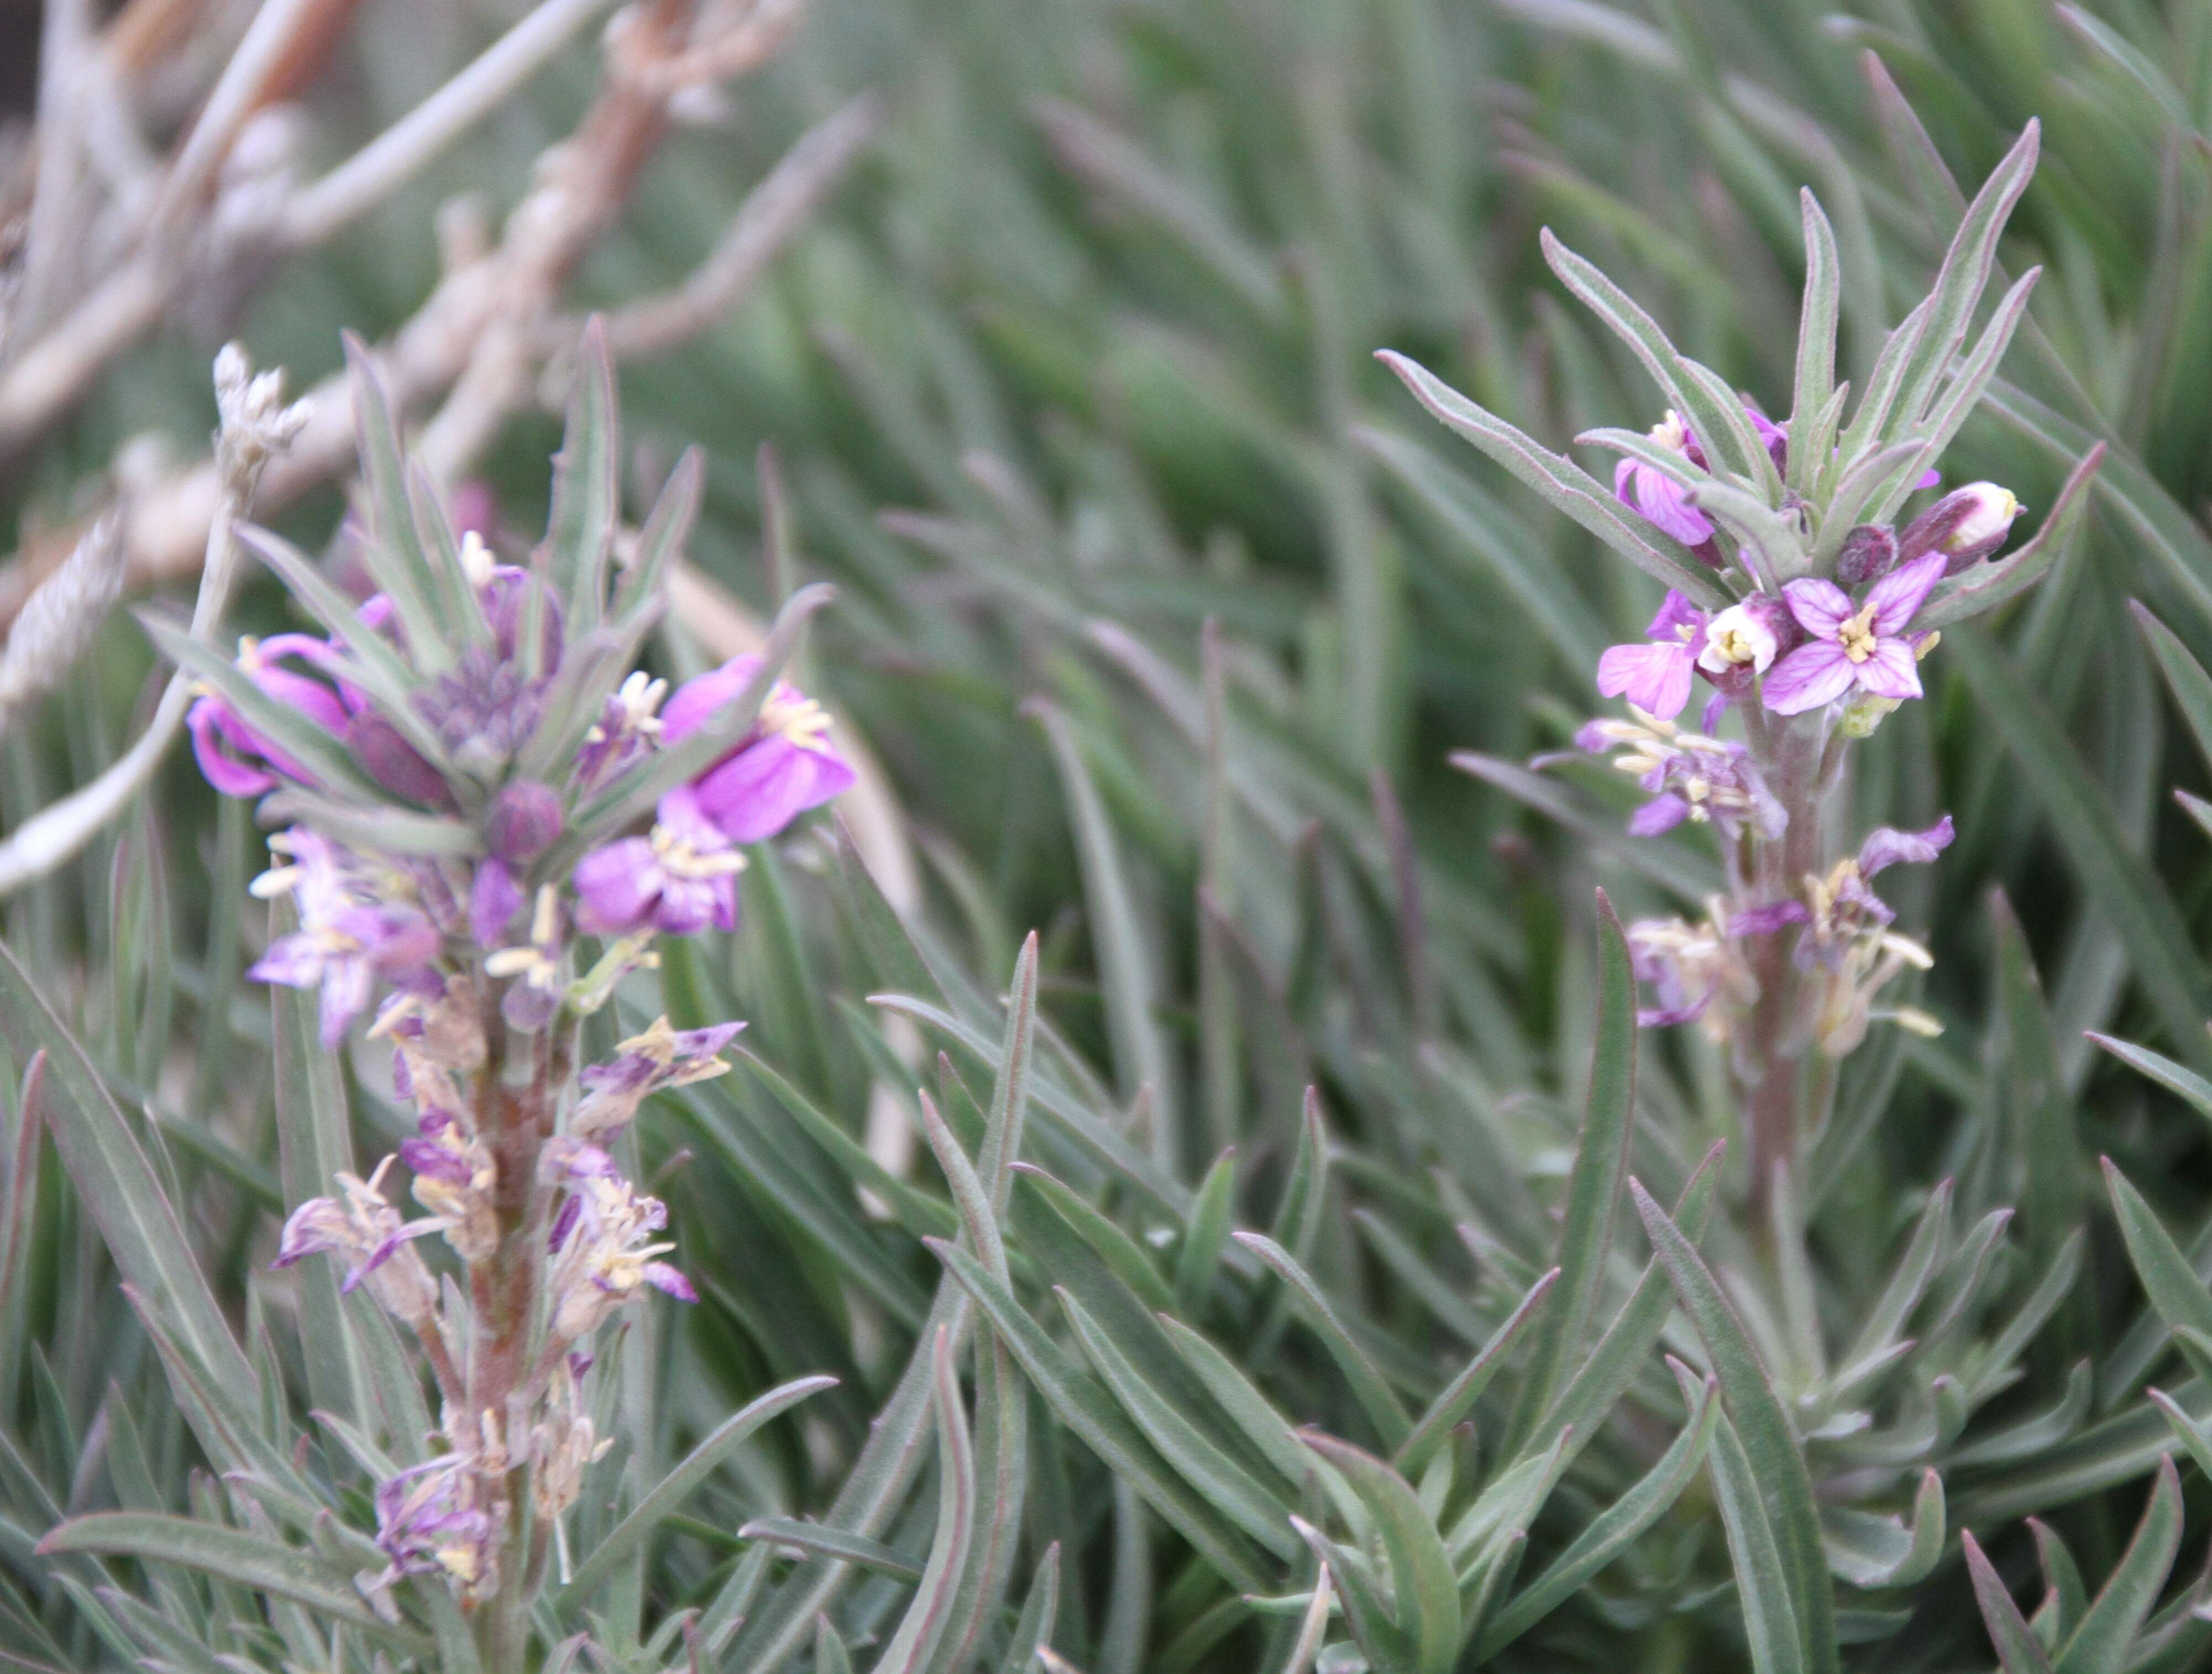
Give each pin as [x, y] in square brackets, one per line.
[394, 763]
[1870, 552]
[1967, 526]
[523, 820]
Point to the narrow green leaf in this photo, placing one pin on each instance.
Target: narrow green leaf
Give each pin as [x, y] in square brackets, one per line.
[831, 1656]
[586, 488]
[1509, 553]
[2101, 1644]
[1964, 275]
[1874, 1551]
[1121, 1253]
[1614, 1362]
[1712, 409]
[2175, 1291]
[930, 1609]
[1763, 1586]
[1211, 1218]
[394, 552]
[822, 1539]
[1241, 1399]
[1033, 1628]
[1816, 347]
[1456, 1397]
[1374, 1395]
[1093, 1414]
[2019, 1651]
[1426, 1590]
[1594, 1189]
[2118, 878]
[1565, 485]
[669, 1493]
[1778, 1471]
[116, 1179]
[667, 526]
[247, 1560]
[1206, 1467]
[1611, 1532]
[1141, 1060]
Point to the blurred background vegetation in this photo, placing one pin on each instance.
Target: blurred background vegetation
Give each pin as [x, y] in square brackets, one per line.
[1078, 361]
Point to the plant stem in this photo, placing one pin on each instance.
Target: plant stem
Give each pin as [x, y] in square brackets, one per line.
[1768, 1063]
[514, 1118]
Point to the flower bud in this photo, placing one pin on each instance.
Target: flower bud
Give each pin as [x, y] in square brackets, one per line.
[523, 821]
[1967, 526]
[1870, 552]
[394, 763]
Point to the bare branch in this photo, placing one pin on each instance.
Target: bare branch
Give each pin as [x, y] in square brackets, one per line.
[771, 214]
[395, 155]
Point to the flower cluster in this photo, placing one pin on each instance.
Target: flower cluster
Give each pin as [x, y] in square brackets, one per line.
[1810, 663]
[486, 818]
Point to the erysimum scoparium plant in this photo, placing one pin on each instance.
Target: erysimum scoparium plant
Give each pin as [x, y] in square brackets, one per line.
[1803, 589]
[488, 820]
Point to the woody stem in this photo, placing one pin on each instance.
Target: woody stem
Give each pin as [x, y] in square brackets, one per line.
[516, 1100]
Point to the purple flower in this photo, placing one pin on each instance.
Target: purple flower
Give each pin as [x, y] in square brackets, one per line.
[1864, 648]
[1655, 676]
[781, 768]
[1663, 501]
[454, 1174]
[428, 1523]
[495, 898]
[1842, 909]
[344, 942]
[236, 759]
[1886, 846]
[366, 1231]
[628, 724]
[601, 1252]
[1688, 777]
[660, 1057]
[533, 994]
[1742, 641]
[678, 880]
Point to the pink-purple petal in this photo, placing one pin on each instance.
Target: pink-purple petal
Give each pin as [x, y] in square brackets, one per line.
[1896, 595]
[1891, 672]
[1886, 846]
[1661, 814]
[1821, 606]
[1810, 677]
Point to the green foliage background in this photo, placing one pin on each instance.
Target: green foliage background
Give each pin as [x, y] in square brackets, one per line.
[1079, 362]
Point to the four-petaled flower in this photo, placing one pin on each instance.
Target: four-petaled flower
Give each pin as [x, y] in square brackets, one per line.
[1655, 676]
[1850, 647]
[782, 767]
[678, 880]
